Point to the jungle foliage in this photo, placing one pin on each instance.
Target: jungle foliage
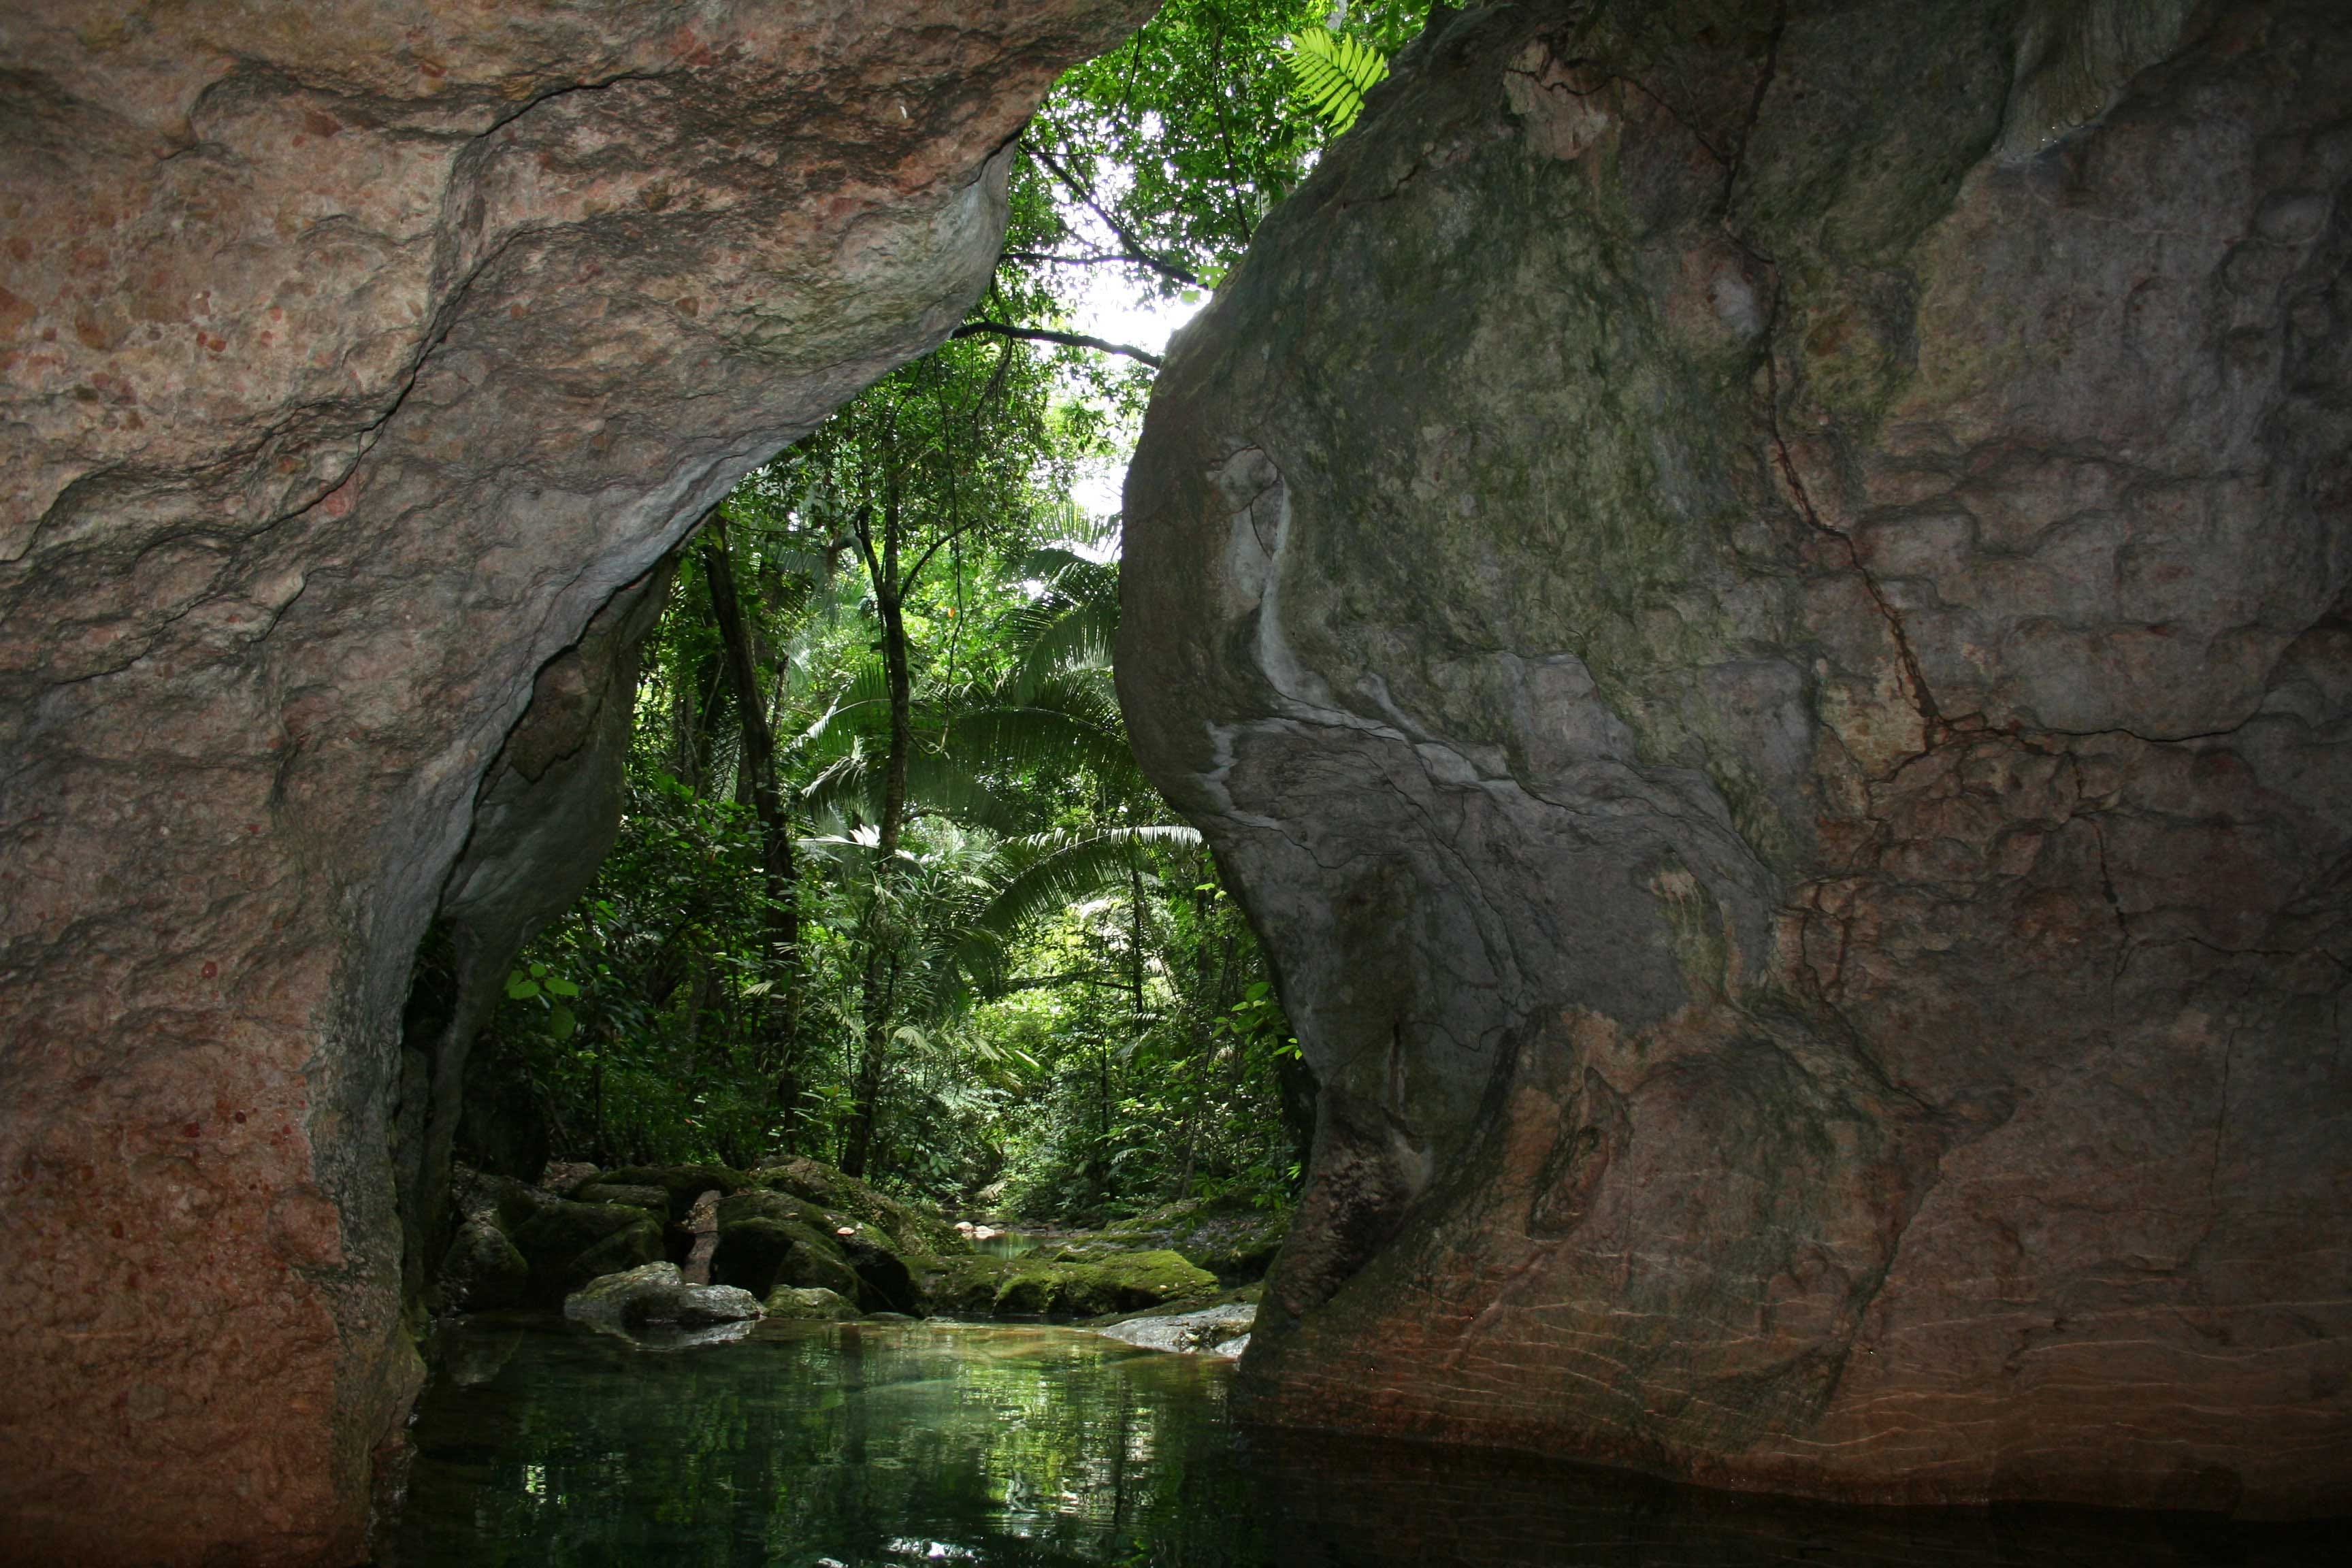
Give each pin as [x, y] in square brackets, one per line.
[890, 888]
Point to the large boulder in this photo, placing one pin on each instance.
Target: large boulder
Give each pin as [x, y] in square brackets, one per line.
[567, 1244]
[1795, 770]
[909, 1228]
[356, 355]
[769, 1239]
[482, 1270]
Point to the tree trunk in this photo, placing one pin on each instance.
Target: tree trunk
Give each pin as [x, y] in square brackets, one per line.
[874, 1001]
[779, 876]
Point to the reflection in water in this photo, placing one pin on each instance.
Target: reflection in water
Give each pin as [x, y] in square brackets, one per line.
[814, 1444]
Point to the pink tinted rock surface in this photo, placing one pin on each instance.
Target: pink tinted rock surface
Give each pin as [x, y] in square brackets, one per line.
[1795, 770]
[353, 356]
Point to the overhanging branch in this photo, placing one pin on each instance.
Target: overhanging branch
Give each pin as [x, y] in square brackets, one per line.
[1045, 335]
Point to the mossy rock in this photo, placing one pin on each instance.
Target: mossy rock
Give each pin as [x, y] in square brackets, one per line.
[568, 1244]
[652, 1200]
[501, 1200]
[890, 1285]
[760, 1232]
[1236, 1241]
[817, 1267]
[813, 1305]
[1035, 1287]
[910, 1229]
[965, 1285]
[782, 1207]
[482, 1272]
[762, 1253]
[683, 1184]
[752, 1252]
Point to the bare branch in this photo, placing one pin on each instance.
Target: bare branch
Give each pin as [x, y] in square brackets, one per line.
[1105, 259]
[1125, 236]
[1042, 335]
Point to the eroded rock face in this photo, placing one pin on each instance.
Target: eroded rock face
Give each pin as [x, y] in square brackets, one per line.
[545, 816]
[1759, 611]
[356, 355]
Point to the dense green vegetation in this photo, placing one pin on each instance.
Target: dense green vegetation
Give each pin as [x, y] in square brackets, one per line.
[890, 890]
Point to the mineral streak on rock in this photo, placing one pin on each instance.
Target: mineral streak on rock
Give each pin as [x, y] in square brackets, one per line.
[1755, 596]
[355, 353]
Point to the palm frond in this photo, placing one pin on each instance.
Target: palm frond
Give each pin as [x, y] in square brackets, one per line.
[1036, 738]
[1051, 872]
[944, 785]
[1080, 638]
[850, 787]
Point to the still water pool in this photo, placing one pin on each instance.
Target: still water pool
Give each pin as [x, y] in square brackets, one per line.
[862, 1447]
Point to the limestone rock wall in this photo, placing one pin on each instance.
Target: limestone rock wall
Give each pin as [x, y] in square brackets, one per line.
[1755, 596]
[352, 356]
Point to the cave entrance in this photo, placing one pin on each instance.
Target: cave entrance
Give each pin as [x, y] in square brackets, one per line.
[881, 884]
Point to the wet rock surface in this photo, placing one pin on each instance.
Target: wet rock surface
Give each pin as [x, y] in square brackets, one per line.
[1794, 769]
[1220, 1331]
[355, 357]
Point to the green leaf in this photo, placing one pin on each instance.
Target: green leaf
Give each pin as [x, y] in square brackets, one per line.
[560, 1022]
[1331, 75]
[559, 987]
[521, 987]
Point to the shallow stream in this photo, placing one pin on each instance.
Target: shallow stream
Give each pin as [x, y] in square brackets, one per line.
[864, 1446]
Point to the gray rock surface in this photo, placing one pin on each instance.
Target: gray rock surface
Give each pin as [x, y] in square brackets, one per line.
[357, 354]
[1221, 1330]
[1754, 597]
[545, 815]
[655, 1293]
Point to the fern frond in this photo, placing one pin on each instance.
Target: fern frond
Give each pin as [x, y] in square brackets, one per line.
[1332, 74]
